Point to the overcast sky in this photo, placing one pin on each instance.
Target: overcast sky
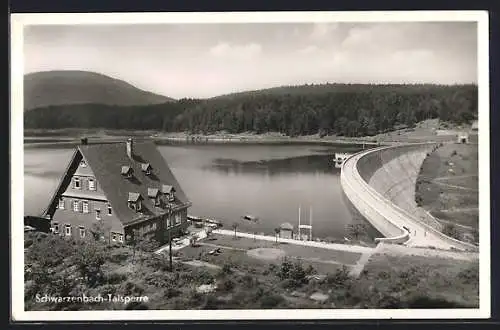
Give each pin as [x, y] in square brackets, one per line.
[203, 60]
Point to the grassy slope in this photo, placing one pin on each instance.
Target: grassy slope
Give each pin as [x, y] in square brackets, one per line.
[448, 185]
[393, 282]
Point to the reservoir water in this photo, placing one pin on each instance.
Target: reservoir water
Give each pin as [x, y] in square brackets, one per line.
[227, 181]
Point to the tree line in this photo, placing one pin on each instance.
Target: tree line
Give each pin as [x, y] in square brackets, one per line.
[349, 110]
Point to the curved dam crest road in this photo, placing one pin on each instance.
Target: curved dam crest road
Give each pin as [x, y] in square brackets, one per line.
[368, 179]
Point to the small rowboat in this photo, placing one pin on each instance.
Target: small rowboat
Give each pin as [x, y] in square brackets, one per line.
[250, 218]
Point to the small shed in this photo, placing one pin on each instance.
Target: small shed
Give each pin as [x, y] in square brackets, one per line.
[463, 138]
[286, 230]
[474, 126]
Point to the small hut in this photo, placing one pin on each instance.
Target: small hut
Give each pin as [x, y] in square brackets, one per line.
[463, 137]
[474, 126]
[286, 230]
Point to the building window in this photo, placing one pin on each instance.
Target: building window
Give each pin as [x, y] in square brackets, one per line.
[83, 163]
[92, 184]
[120, 236]
[56, 228]
[98, 214]
[85, 207]
[177, 218]
[82, 232]
[110, 210]
[136, 206]
[113, 237]
[75, 206]
[167, 222]
[155, 201]
[61, 203]
[76, 183]
[67, 230]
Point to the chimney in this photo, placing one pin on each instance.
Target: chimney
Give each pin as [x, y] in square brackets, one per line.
[84, 141]
[130, 148]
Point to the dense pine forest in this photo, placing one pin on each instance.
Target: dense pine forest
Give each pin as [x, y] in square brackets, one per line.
[349, 110]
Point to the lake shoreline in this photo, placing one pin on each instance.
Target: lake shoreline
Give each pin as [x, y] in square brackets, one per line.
[70, 135]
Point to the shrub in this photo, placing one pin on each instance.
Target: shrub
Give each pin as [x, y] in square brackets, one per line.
[339, 278]
[271, 300]
[136, 305]
[131, 289]
[310, 270]
[107, 289]
[171, 292]
[226, 269]
[227, 285]
[202, 277]
[389, 301]
[115, 278]
[248, 281]
[118, 256]
[286, 268]
[429, 302]
[470, 275]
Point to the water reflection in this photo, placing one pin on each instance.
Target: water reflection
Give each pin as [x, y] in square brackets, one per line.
[316, 164]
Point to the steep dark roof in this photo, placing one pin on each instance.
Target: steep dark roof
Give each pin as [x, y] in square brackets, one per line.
[106, 161]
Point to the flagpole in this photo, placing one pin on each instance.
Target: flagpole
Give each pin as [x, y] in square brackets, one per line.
[310, 223]
[299, 222]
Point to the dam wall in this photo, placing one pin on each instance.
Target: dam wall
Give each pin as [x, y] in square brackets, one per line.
[380, 183]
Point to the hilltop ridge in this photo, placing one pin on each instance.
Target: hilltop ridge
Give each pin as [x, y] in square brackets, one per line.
[54, 88]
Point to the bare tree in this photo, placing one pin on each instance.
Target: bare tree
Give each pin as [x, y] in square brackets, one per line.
[235, 227]
[357, 230]
[276, 232]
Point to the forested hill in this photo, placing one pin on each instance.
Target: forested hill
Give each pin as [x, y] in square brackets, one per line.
[351, 110]
[50, 88]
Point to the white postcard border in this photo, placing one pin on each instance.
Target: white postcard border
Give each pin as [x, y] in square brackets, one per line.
[18, 21]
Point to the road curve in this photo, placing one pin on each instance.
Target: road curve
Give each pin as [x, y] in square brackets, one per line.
[389, 219]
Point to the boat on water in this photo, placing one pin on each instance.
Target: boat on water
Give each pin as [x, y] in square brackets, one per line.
[251, 218]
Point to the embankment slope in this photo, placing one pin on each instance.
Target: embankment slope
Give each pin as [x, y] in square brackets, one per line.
[380, 183]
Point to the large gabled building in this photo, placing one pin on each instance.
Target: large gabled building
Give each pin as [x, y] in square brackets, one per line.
[120, 188]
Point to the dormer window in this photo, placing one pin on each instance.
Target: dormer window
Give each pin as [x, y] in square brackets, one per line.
[169, 192]
[153, 195]
[83, 163]
[134, 201]
[127, 171]
[146, 168]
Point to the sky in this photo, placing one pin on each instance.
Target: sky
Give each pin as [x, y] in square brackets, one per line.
[210, 59]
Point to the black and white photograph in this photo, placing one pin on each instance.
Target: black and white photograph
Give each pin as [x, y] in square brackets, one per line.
[272, 165]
